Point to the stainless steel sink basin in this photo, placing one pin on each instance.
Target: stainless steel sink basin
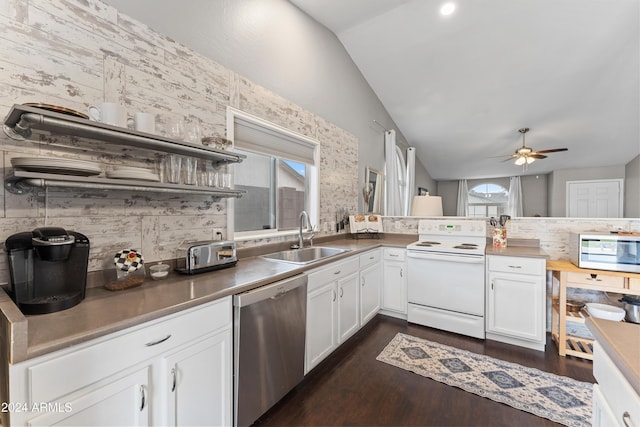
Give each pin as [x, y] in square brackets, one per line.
[305, 255]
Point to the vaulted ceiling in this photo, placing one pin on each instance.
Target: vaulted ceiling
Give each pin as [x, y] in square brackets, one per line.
[460, 86]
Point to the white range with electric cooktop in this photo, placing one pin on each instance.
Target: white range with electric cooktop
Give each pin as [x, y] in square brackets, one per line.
[446, 276]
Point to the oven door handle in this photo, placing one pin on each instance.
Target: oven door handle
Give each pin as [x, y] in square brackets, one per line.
[468, 259]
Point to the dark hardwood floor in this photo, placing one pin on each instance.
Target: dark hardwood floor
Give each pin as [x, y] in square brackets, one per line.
[351, 388]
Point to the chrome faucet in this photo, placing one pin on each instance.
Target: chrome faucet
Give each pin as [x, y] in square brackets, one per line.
[304, 216]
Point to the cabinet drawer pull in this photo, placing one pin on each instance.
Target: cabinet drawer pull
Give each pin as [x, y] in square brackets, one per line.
[594, 277]
[626, 416]
[394, 255]
[371, 257]
[160, 341]
[337, 272]
[143, 398]
[515, 266]
[173, 379]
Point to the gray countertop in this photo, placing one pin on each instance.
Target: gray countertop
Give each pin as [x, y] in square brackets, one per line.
[621, 341]
[103, 312]
[517, 247]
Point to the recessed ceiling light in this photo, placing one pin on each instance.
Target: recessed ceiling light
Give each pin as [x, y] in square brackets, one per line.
[447, 8]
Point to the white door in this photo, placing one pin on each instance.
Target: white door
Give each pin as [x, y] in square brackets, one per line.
[348, 318]
[198, 383]
[123, 402]
[595, 199]
[321, 324]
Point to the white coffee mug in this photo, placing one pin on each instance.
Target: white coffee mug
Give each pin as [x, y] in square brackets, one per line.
[109, 113]
[144, 122]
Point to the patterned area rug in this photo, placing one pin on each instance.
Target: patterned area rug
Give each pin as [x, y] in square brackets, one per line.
[559, 399]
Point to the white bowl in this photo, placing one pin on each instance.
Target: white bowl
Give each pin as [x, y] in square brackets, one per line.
[605, 311]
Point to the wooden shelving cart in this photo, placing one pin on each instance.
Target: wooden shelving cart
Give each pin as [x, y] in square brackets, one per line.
[566, 275]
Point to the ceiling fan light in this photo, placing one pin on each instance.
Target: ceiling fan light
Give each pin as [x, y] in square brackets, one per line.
[530, 160]
[521, 161]
[447, 8]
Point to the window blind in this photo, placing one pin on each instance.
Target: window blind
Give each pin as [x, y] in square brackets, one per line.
[270, 141]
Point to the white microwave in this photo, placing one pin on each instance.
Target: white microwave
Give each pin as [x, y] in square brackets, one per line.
[613, 252]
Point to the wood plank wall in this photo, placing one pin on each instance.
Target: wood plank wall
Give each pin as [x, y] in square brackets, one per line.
[77, 53]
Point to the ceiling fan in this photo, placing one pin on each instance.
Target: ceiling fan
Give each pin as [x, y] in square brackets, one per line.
[525, 155]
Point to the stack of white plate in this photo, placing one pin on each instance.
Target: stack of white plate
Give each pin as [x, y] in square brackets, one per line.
[131, 172]
[56, 165]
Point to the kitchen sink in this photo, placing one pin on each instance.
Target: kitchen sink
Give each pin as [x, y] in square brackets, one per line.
[304, 255]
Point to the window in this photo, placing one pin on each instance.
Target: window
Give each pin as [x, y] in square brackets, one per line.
[279, 176]
[488, 200]
[276, 193]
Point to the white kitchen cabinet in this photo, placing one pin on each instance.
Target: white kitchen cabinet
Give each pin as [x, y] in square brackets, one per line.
[332, 309]
[370, 285]
[122, 378]
[615, 401]
[515, 306]
[197, 383]
[122, 401]
[394, 283]
[348, 301]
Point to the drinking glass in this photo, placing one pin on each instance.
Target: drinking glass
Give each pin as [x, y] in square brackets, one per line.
[193, 133]
[174, 168]
[226, 180]
[176, 129]
[190, 171]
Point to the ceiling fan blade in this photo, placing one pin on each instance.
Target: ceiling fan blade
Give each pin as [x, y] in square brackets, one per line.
[537, 156]
[553, 150]
[509, 156]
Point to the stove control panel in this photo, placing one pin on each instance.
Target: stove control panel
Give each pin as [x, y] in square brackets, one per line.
[453, 227]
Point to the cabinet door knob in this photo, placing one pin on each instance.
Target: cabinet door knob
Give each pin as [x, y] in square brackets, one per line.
[173, 379]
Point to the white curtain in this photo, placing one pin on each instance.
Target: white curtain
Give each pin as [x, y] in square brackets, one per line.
[514, 205]
[399, 177]
[391, 193]
[463, 198]
[410, 181]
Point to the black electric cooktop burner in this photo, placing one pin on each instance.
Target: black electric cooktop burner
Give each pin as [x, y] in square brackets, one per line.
[427, 243]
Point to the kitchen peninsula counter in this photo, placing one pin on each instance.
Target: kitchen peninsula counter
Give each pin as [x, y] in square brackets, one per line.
[103, 312]
[621, 341]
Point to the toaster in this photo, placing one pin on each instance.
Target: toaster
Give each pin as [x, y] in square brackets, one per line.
[199, 257]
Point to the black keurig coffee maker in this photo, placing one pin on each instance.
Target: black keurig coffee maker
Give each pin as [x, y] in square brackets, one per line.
[48, 269]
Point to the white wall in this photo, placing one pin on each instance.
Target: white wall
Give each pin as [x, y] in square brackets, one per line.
[558, 184]
[632, 189]
[276, 45]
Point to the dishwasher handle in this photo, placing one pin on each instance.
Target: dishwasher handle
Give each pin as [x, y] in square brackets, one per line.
[274, 290]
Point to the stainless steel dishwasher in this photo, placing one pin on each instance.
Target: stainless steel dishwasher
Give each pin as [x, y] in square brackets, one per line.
[268, 347]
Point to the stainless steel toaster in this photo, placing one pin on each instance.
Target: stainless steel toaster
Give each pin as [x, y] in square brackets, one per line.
[198, 257]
